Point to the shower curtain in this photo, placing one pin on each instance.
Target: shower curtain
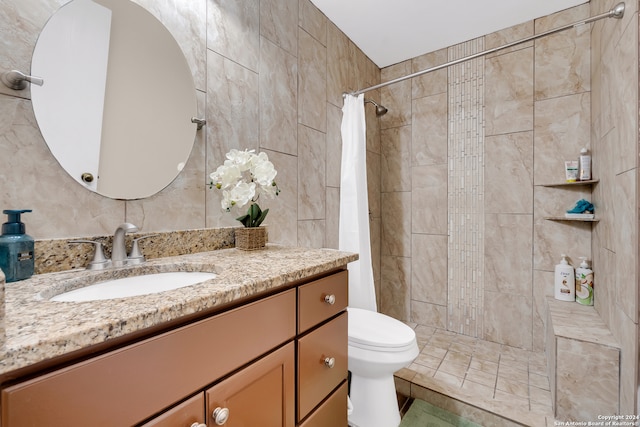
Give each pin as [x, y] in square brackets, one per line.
[354, 204]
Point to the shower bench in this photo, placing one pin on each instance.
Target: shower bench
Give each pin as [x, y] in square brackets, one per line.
[583, 362]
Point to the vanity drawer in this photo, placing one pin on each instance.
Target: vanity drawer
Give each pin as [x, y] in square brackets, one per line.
[316, 379]
[332, 412]
[314, 299]
[128, 385]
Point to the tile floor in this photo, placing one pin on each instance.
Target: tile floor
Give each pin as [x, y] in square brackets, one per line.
[509, 382]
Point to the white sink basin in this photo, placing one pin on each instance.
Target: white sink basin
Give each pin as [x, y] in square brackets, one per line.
[135, 285]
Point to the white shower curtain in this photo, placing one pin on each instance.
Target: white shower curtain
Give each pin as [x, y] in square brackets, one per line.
[354, 204]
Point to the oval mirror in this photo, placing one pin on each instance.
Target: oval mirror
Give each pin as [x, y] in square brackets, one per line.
[118, 96]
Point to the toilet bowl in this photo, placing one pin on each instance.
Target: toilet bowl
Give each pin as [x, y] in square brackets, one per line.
[379, 345]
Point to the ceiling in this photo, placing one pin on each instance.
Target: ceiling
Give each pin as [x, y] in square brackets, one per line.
[389, 32]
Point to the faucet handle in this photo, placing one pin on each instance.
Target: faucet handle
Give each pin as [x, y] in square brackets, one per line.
[136, 257]
[99, 261]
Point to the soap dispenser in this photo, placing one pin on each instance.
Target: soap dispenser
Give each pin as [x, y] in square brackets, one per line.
[16, 247]
[565, 282]
[584, 283]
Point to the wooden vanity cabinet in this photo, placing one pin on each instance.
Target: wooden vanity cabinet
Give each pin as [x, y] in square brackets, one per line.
[259, 361]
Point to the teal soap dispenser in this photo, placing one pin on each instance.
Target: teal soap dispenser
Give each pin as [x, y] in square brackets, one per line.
[16, 247]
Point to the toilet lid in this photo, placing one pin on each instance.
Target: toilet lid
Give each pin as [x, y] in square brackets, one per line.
[371, 329]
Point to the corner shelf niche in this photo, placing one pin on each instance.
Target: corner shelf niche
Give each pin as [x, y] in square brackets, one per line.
[571, 184]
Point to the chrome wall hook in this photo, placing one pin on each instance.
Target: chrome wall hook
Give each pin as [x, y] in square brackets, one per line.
[200, 122]
[16, 80]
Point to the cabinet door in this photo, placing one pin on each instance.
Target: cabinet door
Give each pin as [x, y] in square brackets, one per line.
[185, 414]
[261, 394]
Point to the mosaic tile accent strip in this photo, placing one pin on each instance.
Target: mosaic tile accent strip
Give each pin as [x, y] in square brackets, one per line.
[466, 190]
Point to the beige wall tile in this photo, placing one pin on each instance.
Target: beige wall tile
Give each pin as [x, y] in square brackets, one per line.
[234, 30]
[283, 211]
[395, 289]
[507, 254]
[626, 242]
[429, 268]
[187, 24]
[580, 396]
[312, 83]
[429, 126]
[311, 233]
[429, 199]
[339, 75]
[311, 173]
[562, 64]
[374, 163]
[431, 83]
[279, 23]
[508, 173]
[562, 128]
[313, 21]
[509, 93]
[232, 108]
[397, 98]
[396, 159]
[332, 223]
[396, 224]
[500, 311]
[278, 99]
[334, 145]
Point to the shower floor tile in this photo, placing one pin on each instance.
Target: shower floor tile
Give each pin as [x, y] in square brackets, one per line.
[498, 379]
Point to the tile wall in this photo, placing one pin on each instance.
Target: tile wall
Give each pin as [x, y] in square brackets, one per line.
[543, 101]
[614, 137]
[269, 74]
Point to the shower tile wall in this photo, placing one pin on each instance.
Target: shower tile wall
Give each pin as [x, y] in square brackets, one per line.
[465, 291]
[536, 115]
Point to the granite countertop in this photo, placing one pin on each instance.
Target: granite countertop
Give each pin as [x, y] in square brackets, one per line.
[38, 329]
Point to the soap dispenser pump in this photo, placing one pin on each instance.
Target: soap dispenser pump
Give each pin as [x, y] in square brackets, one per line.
[16, 247]
[565, 281]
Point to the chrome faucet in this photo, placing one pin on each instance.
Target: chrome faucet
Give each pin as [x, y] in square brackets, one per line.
[119, 250]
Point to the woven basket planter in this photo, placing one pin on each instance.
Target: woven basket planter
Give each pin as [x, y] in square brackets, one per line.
[251, 238]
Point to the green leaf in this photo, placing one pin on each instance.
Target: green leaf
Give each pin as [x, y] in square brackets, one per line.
[254, 216]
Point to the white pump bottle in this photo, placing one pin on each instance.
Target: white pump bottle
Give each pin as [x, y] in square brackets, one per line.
[565, 281]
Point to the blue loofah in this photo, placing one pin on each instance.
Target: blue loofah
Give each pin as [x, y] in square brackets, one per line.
[582, 206]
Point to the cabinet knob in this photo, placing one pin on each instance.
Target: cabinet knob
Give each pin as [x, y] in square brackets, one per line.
[220, 415]
[198, 425]
[330, 362]
[330, 299]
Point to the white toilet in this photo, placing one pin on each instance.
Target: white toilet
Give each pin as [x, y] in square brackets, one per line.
[379, 345]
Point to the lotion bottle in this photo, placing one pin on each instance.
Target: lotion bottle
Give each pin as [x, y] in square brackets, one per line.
[565, 282]
[16, 248]
[584, 283]
[584, 171]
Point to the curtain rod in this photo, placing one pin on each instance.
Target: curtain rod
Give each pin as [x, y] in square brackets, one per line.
[617, 12]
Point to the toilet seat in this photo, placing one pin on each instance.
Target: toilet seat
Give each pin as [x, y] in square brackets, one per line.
[374, 331]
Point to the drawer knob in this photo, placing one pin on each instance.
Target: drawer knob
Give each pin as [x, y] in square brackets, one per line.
[330, 299]
[220, 415]
[330, 362]
[198, 425]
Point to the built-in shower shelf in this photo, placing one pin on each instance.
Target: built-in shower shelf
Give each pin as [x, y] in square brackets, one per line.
[571, 184]
[562, 218]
